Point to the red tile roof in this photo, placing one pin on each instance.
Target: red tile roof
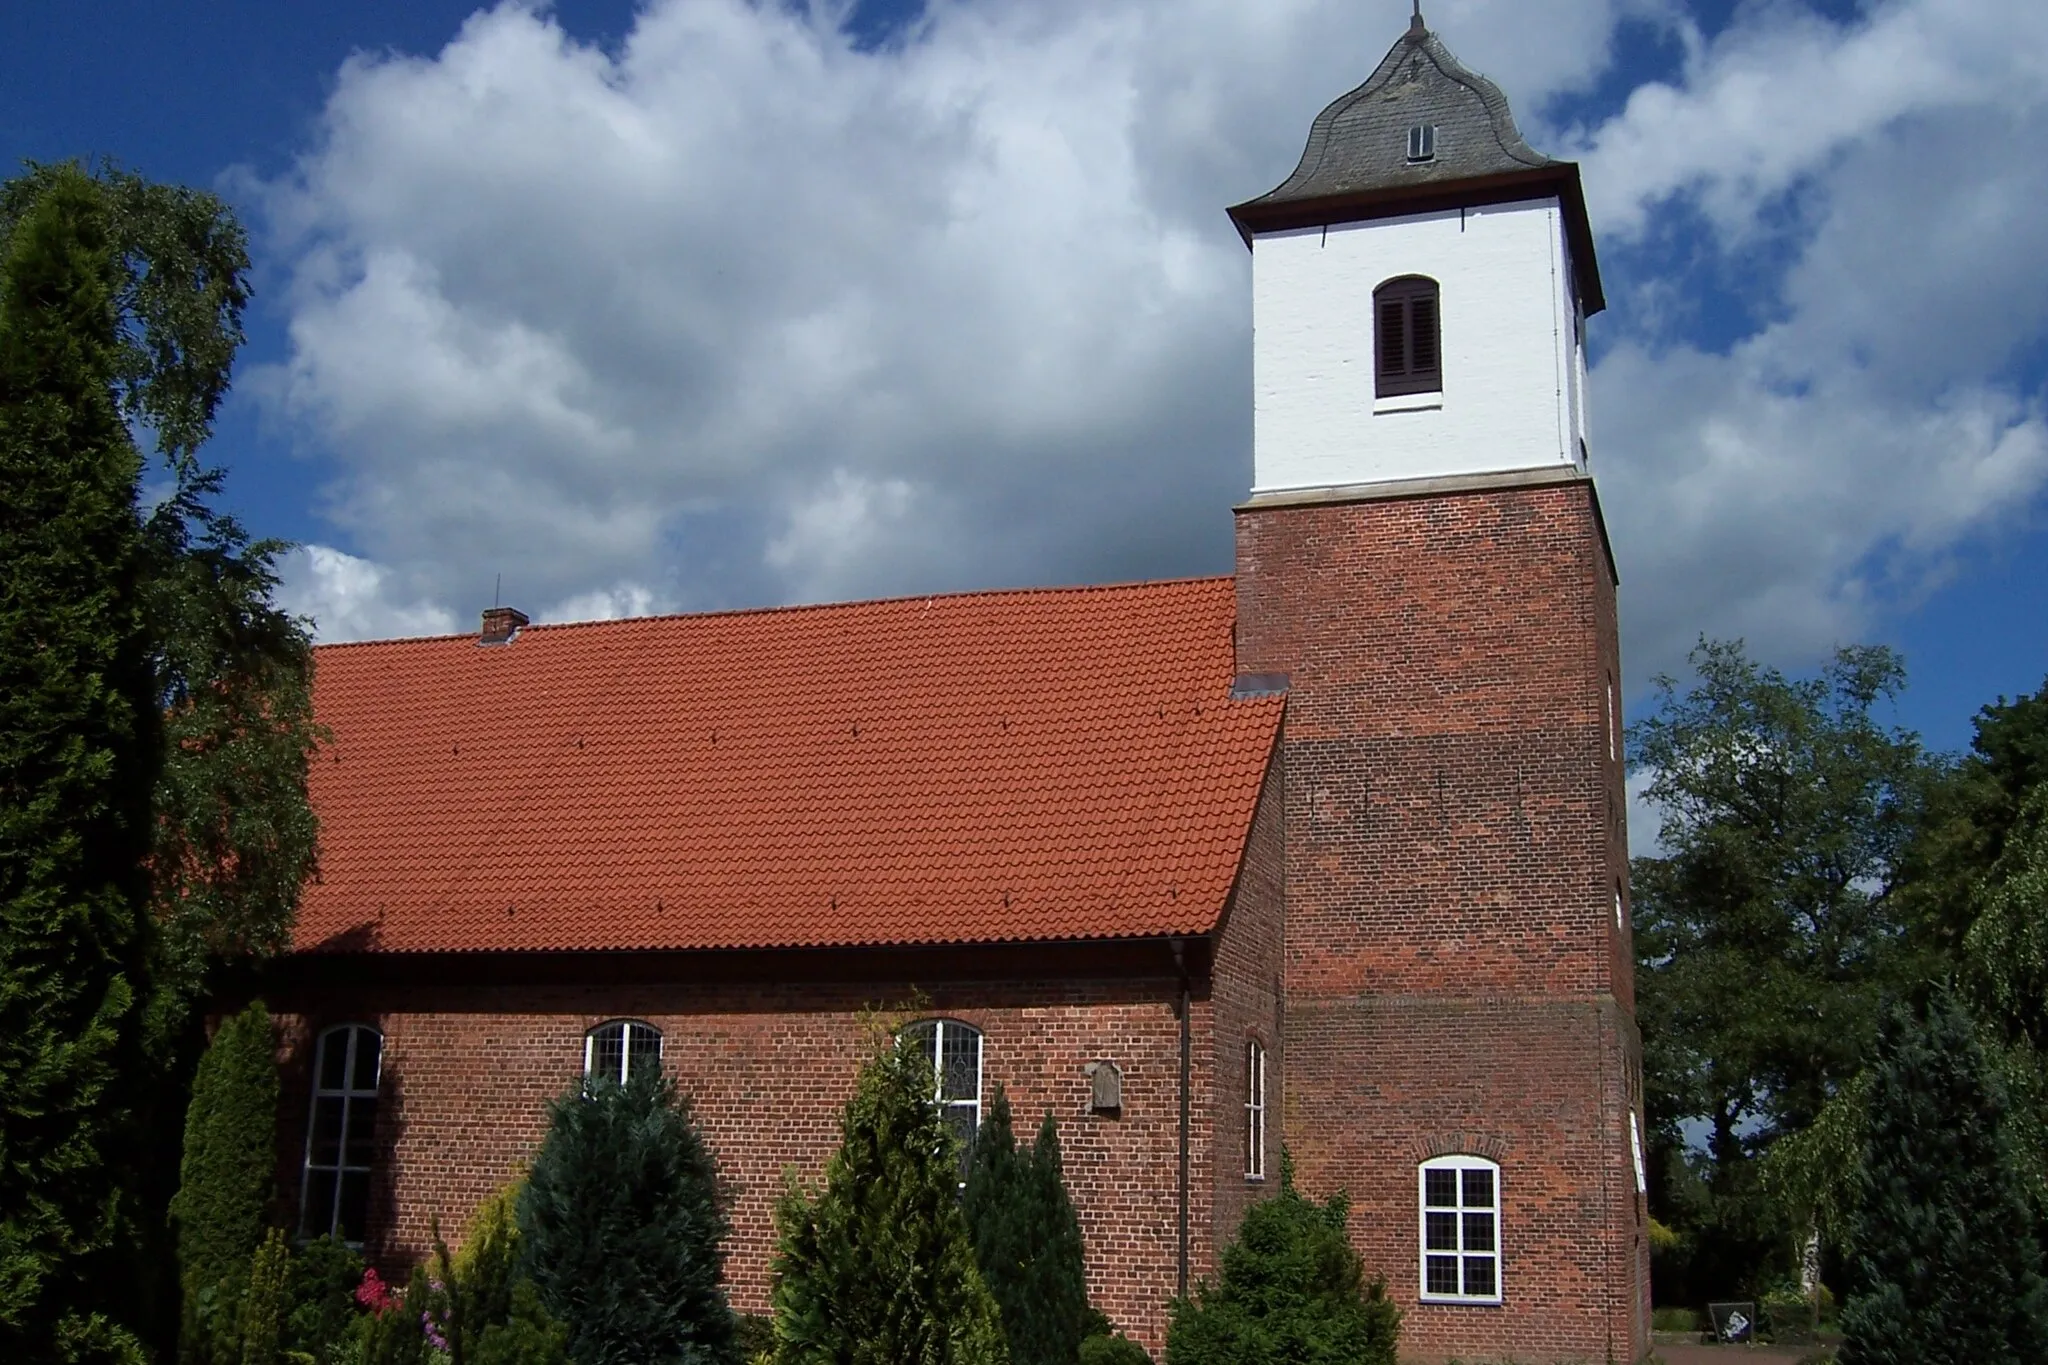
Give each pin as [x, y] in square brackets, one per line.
[988, 767]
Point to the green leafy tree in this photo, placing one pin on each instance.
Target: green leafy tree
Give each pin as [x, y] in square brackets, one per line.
[877, 1267]
[1971, 814]
[1766, 932]
[2007, 943]
[1292, 1292]
[229, 1165]
[1027, 1240]
[1946, 1268]
[621, 1225]
[79, 750]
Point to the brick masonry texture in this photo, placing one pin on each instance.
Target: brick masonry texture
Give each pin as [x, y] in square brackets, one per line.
[1455, 980]
[1411, 906]
[470, 1068]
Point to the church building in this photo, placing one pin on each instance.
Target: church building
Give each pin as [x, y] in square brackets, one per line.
[1327, 854]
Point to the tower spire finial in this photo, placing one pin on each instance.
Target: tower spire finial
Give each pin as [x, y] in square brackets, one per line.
[1416, 28]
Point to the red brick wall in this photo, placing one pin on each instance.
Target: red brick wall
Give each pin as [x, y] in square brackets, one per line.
[1247, 998]
[468, 1070]
[1454, 976]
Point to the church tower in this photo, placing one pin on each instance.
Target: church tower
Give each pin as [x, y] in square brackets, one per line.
[1422, 558]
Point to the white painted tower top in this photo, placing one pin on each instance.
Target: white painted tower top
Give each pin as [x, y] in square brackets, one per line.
[1420, 286]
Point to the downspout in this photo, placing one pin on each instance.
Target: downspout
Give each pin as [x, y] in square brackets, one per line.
[1180, 964]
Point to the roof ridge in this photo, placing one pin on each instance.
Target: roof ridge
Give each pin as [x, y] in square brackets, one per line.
[791, 608]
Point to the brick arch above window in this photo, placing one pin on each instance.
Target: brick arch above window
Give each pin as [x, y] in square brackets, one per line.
[1431, 1145]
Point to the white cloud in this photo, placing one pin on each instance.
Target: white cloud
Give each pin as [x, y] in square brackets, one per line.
[1782, 92]
[348, 598]
[738, 313]
[1789, 488]
[604, 604]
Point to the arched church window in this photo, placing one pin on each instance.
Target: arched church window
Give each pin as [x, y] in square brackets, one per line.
[1460, 1230]
[334, 1196]
[1407, 341]
[619, 1048]
[954, 1050]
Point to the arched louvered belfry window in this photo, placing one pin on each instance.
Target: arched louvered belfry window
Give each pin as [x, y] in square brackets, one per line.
[1407, 338]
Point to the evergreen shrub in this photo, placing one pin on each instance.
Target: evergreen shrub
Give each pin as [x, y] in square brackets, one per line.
[1027, 1240]
[1112, 1349]
[322, 1315]
[621, 1225]
[1674, 1320]
[1945, 1266]
[225, 1177]
[1292, 1292]
[526, 1335]
[391, 1335]
[755, 1333]
[266, 1301]
[877, 1268]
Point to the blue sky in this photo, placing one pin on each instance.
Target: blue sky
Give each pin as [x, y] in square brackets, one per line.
[693, 303]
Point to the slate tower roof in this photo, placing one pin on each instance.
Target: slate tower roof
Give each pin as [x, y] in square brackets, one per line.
[1359, 162]
[1360, 142]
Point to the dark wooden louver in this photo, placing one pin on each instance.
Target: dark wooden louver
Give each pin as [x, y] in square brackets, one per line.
[1407, 343]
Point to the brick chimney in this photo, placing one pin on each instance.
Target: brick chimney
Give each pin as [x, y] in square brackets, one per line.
[500, 625]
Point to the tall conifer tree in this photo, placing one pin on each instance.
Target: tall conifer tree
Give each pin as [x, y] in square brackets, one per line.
[1292, 1292]
[78, 756]
[228, 1170]
[1946, 1265]
[155, 720]
[877, 1268]
[620, 1227]
[1027, 1239]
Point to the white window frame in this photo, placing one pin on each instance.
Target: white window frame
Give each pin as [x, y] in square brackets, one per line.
[940, 1031]
[1254, 1110]
[1613, 724]
[313, 1222]
[626, 1027]
[1463, 1214]
[1635, 1145]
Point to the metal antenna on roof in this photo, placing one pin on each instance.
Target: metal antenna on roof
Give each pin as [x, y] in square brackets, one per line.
[498, 580]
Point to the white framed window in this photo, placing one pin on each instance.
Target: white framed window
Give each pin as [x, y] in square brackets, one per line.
[1635, 1144]
[1254, 1111]
[619, 1048]
[1460, 1230]
[954, 1050]
[1613, 724]
[341, 1133]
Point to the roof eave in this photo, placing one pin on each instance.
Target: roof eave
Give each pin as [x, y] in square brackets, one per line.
[1559, 178]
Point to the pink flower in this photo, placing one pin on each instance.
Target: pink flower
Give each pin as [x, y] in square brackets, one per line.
[373, 1293]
